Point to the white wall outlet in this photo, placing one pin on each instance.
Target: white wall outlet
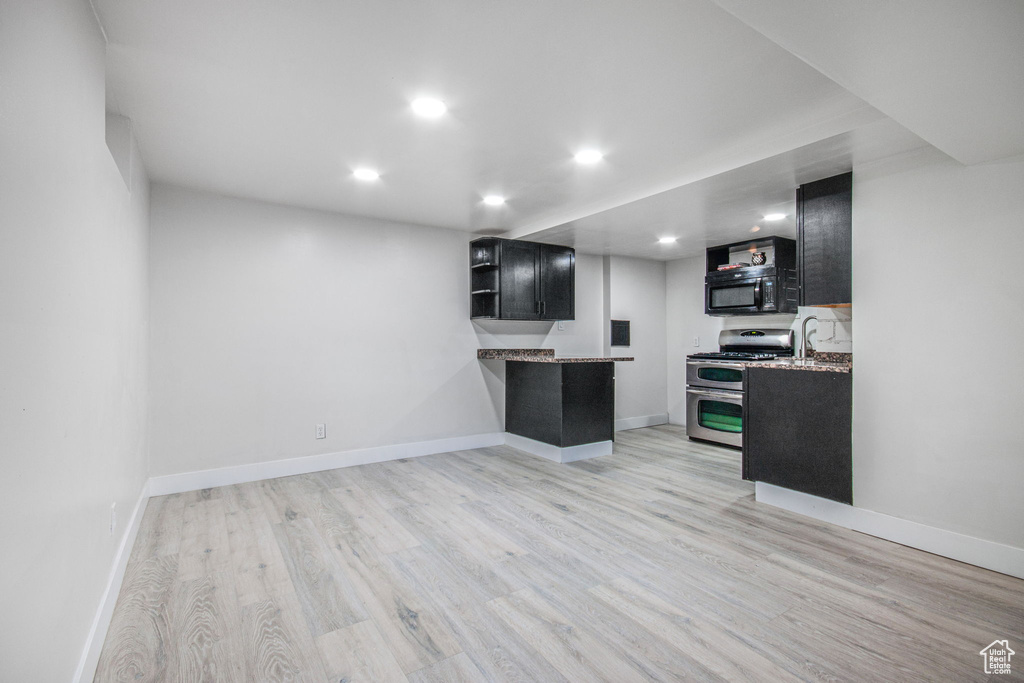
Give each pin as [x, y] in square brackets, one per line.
[321, 431]
[561, 326]
[113, 518]
[696, 341]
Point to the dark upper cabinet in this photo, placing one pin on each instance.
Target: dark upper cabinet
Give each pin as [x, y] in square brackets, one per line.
[824, 241]
[797, 431]
[519, 288]
[557, 282]
[520, 280]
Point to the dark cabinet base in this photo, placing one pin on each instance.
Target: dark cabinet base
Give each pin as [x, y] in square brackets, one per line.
[562, 404]
[797, 431]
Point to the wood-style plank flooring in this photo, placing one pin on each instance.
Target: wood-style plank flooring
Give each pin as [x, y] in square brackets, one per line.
[651, 564]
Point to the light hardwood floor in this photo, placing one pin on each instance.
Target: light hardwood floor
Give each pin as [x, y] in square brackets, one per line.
[651, 564]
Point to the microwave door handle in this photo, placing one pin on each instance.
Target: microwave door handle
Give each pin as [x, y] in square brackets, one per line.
[757, 293]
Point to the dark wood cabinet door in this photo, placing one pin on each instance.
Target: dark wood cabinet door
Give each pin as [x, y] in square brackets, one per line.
[562, 404]
[533, 400]
[824, 241]
[796, 431]
[520, 297]
[557, 282]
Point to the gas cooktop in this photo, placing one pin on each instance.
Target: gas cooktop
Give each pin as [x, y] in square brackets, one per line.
[734, 355]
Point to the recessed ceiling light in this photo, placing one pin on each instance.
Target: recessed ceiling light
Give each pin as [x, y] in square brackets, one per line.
[366, 174]
[756, 228]
[775, 217]
[588, 156]
[668, 240]
[494, 200]
[429, 107]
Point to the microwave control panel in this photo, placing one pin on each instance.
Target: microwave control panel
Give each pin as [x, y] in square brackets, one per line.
[768, 295]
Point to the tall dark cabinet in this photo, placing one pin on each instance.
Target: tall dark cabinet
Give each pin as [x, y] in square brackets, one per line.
[824, 241]
[520, 280]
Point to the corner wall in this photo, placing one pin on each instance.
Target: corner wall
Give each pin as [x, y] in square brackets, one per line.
[636, 291]
[685, 320]
[73, 353]
[268, 320]
[938, 395]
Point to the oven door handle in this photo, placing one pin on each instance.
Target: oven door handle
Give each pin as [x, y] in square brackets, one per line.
[717, 364]
[734, 395]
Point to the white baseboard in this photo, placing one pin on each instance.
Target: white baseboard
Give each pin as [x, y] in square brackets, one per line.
[101, 622]
[641, 421]
[998, 557]
[225, 476]
[556, 453]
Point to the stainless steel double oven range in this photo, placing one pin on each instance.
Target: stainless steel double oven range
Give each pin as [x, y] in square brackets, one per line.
[714, 382]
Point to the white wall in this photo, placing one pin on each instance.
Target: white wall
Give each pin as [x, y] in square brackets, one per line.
[73, 348]
[939, 375]
[269, 319]
[685, 319]
[637, 294]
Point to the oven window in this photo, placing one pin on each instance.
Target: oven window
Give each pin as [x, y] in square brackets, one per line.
[720, 416]
[732, 297]
[720, 374]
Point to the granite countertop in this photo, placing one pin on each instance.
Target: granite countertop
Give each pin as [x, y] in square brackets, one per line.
[542, 356]
[820, 362]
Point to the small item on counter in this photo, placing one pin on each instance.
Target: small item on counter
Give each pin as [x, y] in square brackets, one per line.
[758, 258]
[733, 266]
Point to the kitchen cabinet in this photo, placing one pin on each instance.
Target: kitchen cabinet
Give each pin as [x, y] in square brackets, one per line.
[797, 430]
[824, 241]
[734, 285]
[562, 404]
[520, 280]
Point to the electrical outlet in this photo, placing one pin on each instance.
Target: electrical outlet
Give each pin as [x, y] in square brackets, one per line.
[321, 431]
[696, 341]
[113, 518]
[561, 326]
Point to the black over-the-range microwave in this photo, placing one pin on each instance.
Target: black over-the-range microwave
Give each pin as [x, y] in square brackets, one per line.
[752, 289]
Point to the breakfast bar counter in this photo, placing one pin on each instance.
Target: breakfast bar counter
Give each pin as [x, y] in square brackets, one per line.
[562, 409]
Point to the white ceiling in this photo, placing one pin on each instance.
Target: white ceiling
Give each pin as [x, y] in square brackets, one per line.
[279, 101]
[950, 70]
[725, 207]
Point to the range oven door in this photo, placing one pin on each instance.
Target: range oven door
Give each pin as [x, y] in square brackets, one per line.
[714, 374]
[715, 416]
[738, 297]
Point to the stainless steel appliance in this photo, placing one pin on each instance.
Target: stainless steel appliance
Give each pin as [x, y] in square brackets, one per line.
[747, 293]
[751, 277]
[714, 382]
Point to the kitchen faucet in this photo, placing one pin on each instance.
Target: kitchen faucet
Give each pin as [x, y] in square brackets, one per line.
[803, 335]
